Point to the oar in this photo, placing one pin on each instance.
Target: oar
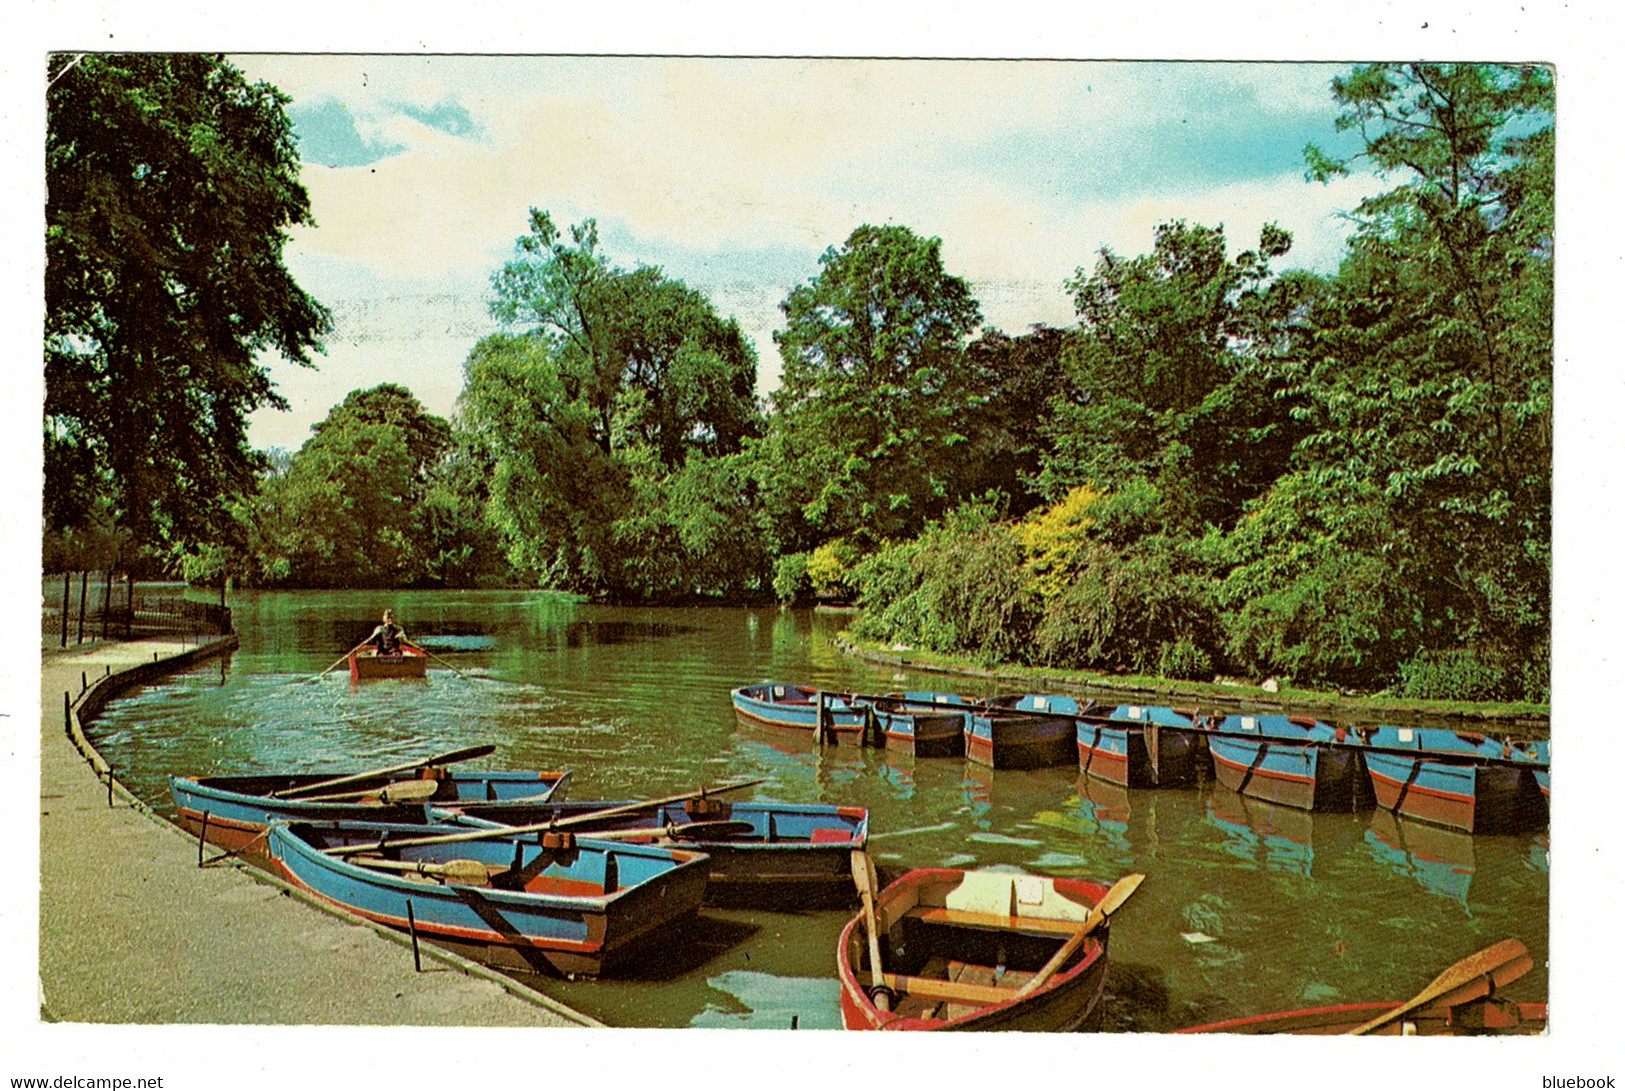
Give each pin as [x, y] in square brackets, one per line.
[400, 791]
[711, 830]
[1494, 965]
[1115, 897]
[436, 658]
[540, 827]
[467, 872]
[450, 758]
[863, 875]
[339, 660]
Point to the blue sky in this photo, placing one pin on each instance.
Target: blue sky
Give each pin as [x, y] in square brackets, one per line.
[735, 174]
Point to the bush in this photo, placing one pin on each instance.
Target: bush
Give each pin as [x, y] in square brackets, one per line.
[829, 570]
[790, 582]
[1183, 659]
[1459, 674]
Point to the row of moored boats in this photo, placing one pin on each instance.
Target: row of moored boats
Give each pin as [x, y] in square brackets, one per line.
[498, 865]
[1455, 779]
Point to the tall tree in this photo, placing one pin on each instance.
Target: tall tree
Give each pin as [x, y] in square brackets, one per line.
[868, 417]
[171, 184]
[1166, 381]
[354, 508]
[613, 415]
[1429, 372]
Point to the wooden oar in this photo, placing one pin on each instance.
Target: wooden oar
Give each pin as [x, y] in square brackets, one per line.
[540, 827]
[720, 829]
[400, 791]
[435, 657]
[465, 754]
[339, 660]
[467, 872]
[863, 875]
[1115, 897]
[1493, 966]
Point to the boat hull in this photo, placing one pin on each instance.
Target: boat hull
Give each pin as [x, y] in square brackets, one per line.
[1120, 752]
[923, 734]
[1018, 740]
[1458, 794]
[232, 812]
[795, 708]
[1302, 776]
[945, 925]
[584, 911]
[793, 856]
[368, 666]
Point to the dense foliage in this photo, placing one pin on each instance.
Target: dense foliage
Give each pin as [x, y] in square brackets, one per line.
[171, 183]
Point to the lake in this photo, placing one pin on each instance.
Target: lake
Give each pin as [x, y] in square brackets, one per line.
[1246, 908]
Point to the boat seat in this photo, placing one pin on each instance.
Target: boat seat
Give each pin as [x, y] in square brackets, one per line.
[939, 915]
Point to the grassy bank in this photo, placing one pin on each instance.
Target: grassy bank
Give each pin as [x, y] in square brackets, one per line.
[1526, 719]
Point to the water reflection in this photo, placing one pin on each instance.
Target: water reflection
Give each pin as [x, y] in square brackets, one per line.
[1441, 860]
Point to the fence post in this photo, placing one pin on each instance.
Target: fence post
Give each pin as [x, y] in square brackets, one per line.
[67, 604]
[84, 578]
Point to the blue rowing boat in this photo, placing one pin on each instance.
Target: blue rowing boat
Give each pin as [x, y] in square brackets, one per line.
[579, 907]
[927, 725]
[783, 855]
[1023, 731]
[795, 708]
[1139, 746]
[1289, 761]
[1460, 780]
[233, 811]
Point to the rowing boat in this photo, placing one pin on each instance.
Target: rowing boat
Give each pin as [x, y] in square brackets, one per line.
[1288, 761]
[927, 725]
[366, 664]
[515, 901]
[1459, 780]
[1022, 731]
[1139, 746]
[783, 855]
[233, 811]
[960, 945]
[795, 708]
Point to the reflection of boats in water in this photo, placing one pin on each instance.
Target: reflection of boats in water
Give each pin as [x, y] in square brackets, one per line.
[1104, 802]
[1441, 860]
[1275, 838]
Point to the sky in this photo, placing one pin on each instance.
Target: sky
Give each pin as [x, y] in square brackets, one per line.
[735, 175]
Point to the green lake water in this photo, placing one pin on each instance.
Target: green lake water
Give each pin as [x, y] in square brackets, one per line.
[1246, 908]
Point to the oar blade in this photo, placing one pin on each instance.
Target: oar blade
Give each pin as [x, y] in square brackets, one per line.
[1474, 974]
[408, 791]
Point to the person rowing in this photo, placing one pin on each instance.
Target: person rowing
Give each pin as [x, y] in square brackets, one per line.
[387, 638]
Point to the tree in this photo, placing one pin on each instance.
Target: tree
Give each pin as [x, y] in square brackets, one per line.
[1426, 372]
[868, 417]
[171, 183]
[613, 416]
[1169, 379]
[360, 504]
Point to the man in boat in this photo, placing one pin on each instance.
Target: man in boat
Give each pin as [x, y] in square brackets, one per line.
[387, 637]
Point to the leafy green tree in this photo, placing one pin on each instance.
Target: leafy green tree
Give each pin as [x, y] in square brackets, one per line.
[1426, 371]
[867, 421]
[1166, 382]
[613, 417]
[358, 506]
[171, 185]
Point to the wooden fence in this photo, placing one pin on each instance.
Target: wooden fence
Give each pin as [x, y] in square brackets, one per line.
[85, 606]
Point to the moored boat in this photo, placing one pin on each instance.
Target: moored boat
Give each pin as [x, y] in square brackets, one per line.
[958, 949]
[1464, 999]
[367, 665]
[927, 725]
[795, 708]
[1025, 731]
[512, 900]
[1139, 746]
[783, 855]
[1288, 761]
[1456, 779]
[233, 811]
